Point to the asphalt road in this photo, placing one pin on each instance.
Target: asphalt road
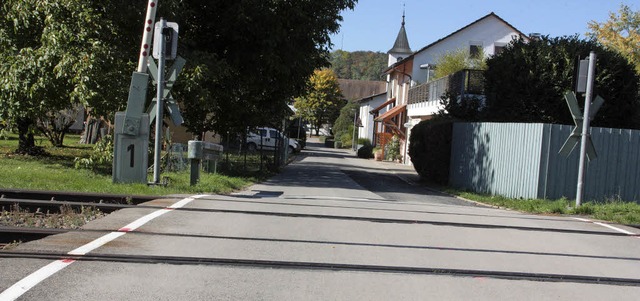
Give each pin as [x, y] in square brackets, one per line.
[329, 227]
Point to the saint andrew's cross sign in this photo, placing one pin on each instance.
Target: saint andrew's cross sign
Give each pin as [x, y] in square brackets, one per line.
[578, 119]
[582, 120]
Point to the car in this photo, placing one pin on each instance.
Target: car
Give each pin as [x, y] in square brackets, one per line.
[265, 138]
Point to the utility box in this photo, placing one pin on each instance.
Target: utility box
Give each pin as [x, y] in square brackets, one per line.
[131, 152]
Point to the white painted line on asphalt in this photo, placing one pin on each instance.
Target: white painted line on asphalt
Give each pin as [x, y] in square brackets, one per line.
[185, 201]
[24, 285]
[96, 243]
[607, 226]
[615, 228]
[143, 220]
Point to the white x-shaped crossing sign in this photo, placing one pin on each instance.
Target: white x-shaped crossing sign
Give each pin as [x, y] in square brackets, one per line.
[578, 119]
[170, 103]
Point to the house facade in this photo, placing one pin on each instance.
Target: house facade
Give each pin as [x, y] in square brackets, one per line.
[367, 105]
[410, 79]
[390, 116]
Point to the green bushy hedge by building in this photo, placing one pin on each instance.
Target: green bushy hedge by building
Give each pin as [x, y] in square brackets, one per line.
[430, 149]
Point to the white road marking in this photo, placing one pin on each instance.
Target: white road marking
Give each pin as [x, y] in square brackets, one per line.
[32, 280]
[607, 226]
[24, 285]
[143, 220]
[96, 243]
[615, 228]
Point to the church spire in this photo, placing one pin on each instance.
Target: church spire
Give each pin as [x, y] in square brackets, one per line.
[401, 46]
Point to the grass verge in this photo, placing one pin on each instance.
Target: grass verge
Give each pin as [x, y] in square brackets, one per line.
[615, 211]
[56, 172]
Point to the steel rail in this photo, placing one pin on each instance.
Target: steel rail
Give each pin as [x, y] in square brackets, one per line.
[14, 234]
[75, 196]
[113, 207]
[325, 266]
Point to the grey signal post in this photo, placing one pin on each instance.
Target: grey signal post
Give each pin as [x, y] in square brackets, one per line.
[165, 47]
[586, 138]
[582, 121]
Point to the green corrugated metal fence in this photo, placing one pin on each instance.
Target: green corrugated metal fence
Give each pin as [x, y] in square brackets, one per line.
[521, 161]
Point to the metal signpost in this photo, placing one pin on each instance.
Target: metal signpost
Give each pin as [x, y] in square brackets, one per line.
[131, 143]
[165, 45]
[582, 121]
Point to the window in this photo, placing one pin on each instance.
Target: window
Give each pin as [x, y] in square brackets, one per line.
[497, 48]
[474, 51]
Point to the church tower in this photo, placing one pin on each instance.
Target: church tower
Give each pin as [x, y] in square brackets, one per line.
[401, 47]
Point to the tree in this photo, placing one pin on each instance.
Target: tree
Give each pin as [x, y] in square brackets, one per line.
[55, 55]
[621, 33]
[322, 102]
[249, 57]
[244, 58]
[527, 81]
[343, 127]
[455, 60]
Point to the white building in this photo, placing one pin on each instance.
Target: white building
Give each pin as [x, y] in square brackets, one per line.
[367, 105]
[489, 34]
[408, 71]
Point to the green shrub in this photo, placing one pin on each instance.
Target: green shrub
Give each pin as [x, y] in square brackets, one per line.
[430, 149]
[364, 141]
[343, 125]
[347, 140]
[366, 151]
[393, 149]
[101, 159]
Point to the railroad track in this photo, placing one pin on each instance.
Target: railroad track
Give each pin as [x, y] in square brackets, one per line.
[298, 265]
[52, 202]
[74, 196]
[9, 235]
[52, 206]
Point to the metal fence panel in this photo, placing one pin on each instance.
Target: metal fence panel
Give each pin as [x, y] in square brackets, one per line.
[522, 160]
[614, 174]
[496, 158]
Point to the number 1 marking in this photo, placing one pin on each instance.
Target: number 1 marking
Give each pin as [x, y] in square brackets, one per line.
[131, 148]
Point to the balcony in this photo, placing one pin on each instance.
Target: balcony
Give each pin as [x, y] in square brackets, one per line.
[425, 99]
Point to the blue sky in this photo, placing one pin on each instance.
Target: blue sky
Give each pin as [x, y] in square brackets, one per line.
[373, 24]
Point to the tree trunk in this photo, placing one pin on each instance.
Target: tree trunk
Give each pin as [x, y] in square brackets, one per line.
[26, 141]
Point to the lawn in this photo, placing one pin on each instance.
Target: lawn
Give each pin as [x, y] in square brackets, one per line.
[57, 172]
[615, 211]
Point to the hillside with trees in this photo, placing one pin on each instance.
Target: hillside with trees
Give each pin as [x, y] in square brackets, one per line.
[360, 65]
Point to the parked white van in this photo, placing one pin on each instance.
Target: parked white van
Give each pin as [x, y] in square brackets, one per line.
[265, 138]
